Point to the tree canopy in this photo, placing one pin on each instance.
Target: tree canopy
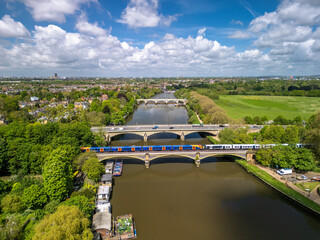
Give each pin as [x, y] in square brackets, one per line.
[93, 168]
[68, 222]
[57, 175]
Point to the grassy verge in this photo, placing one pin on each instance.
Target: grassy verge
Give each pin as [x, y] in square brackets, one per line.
[280, 186]
[212, 140]
[193, 118]
[308, 185]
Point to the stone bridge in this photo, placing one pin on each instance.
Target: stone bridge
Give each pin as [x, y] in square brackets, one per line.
[163, 101]
[196, 155]
[146, 130]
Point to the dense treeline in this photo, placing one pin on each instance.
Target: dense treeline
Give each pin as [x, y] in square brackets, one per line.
[268, 134]
[258, 87]
[205, 107]
[44, 161]
[24, 147]
[301, 159]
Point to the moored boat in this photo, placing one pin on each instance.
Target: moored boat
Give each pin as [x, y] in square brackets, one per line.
[117, 171]
[109, 167]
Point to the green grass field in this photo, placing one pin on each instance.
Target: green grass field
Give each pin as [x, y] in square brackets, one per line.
[238, 106]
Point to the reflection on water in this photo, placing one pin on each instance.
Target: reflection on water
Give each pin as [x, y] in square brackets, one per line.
[219, 200]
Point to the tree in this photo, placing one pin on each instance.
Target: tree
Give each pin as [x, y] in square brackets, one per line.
[280, 120]
[57, 175]
[87, 192]
[68, 222]
[291, 135]
[34, 197]
[82, 203]
[313, 134]
[51, 207]
[82, 158]
[11, 203]
[272, 133]
[11, 229]
[264, 156]
[93, 169]
[3, 155]
[304, 160]
[226, 135]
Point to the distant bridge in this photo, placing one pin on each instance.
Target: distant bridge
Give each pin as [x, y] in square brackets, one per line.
[163, 101]
[195, 155]
[145, 131]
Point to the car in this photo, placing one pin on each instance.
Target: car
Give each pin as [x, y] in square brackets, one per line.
[171, 127]
[112, 128]
[155, 127]
[302, 177]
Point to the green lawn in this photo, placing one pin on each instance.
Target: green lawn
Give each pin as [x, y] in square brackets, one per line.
[308, 185]
[238, 106]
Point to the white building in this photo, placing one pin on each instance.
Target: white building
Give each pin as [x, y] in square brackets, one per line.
[103, 192]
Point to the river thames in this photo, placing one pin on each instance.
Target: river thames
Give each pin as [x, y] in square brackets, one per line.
[175, 200]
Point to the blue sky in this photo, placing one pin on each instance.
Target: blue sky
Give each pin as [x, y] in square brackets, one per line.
[154, 38]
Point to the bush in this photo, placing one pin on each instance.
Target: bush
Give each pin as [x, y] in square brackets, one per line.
[11, 203]
[82, 203]
[88, 193]
[93, 169]
[34, 197]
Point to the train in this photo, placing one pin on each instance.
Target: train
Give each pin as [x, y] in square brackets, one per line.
[183, 147]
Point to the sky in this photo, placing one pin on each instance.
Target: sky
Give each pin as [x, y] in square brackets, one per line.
[159, 38]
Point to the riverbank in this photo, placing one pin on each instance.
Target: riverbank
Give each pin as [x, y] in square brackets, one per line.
[284, 188]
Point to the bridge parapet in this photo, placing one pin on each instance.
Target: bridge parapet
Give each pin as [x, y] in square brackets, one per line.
[164, 101]
[196, 156]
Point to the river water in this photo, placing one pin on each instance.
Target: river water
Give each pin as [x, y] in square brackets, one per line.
[159, 114]
[175, 200]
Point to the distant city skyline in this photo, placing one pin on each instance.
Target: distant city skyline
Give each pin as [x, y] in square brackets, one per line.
[159, 38]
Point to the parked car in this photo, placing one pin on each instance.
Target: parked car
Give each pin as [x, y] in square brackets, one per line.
[302, 177]
[155, 127]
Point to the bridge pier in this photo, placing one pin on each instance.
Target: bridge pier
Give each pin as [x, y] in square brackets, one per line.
[197, 159]
[249, 156]
[108, 138]
[147, 162]
[145, 137]
[182, 136]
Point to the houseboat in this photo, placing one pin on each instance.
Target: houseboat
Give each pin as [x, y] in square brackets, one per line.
[109, 167]
[117, 171]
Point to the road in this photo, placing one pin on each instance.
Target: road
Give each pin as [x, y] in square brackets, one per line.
[163, 127]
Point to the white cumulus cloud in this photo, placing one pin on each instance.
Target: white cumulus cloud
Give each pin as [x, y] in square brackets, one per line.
[53, 10]
[144, 13]
[11, 28]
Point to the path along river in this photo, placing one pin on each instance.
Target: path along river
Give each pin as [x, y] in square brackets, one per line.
[175, 200]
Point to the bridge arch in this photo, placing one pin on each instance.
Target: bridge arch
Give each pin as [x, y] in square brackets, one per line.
[149, 101]
[199, 132]
[170, 135]
[223, 155]
[124, 156]
[118, 135]
[172, 156]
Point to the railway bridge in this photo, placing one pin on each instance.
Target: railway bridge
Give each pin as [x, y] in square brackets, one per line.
[163, 101]
[196, 155]
[182, 130]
